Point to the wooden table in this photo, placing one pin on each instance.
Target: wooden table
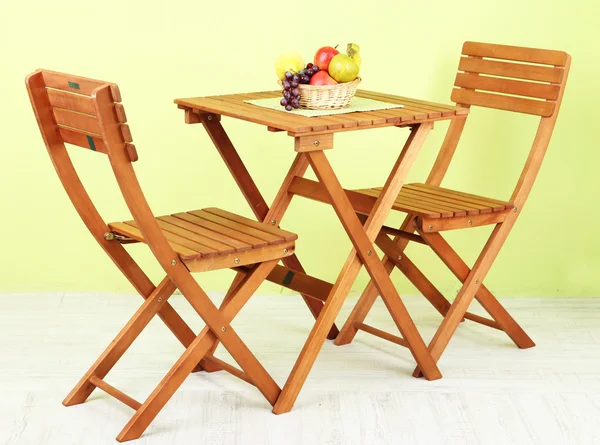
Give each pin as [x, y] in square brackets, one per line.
[361, 215]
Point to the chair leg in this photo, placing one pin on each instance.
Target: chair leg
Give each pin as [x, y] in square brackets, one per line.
[484, 296]
[235, 285]
[198, 349]
[470, 287]
[122, 342]
[369, 295]
[414, 275]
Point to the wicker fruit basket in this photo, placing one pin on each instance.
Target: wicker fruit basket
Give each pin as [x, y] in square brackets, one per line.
[327, 97]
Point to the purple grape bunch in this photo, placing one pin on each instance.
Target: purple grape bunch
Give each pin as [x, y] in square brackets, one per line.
[291, 93]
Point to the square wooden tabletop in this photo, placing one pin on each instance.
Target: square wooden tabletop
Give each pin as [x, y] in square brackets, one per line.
[233, 105]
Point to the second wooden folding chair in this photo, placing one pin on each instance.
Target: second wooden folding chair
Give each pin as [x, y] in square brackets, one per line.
[87, 113]
[516, 79]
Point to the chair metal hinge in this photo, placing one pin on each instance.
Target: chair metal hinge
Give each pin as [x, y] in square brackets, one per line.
[110, 236]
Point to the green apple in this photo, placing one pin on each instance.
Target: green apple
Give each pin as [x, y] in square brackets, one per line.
[343, 68]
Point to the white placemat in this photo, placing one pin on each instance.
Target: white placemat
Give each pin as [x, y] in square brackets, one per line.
[356, 104]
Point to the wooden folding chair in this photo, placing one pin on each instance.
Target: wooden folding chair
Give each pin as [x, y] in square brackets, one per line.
[87, 113]
[488, 79]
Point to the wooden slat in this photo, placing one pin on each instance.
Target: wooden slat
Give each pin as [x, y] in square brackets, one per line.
[517, 53]
[194, 237]
[482, 320]
[111, 390]
[434, 202]
[402, 234]
[131, 152]
[198, 248]
[459, 208]
[77, 120]
[237, 259]
[382, 334]
[507, 86]
[126, 132]
[273, 233]
[226, 231]
[507, 69]
[227, 368]
[132, 232]
[468, 203]
[300, 282]
[77, 84]
[496, 204]
[236, 244]
[409, 206]
[391, 98]
[252, 113]
[430, 225]
[86, 140]
[120, 110]
[234, 106]
[71, 101]
[507, 103]
[333, 122]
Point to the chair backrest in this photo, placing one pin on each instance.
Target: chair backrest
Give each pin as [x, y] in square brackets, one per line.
[65, 104]
[490, 72]
[87, 113]
[510, 78]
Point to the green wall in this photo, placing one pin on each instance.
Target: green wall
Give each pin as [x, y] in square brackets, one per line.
[161, 50]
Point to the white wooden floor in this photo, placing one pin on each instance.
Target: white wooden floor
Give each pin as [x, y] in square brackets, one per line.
[360, 394]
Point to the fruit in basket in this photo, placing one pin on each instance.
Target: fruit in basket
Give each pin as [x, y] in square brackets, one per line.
[322, 78]
[288, 61]
[291, 94]
[323, 57]
[343, 68]
[353, 50]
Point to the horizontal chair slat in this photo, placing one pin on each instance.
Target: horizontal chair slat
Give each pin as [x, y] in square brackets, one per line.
[76, 120]
[507, 86]
[508, 103]
[507, 69]
[71, 101]
[77, 84]
[507, 52]
[82, 139]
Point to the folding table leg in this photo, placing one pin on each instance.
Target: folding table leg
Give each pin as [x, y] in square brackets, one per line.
[364, 250]
[369, 295]
[470, 287]
[198, 348]
[255, 199]
[483, 295]
[122, 342]
[352, 266]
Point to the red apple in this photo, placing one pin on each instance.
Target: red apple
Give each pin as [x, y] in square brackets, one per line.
[322, 78]
[323, 56]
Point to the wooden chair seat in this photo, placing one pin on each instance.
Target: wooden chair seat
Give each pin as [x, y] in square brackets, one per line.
[432, 202]
[212, 232]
